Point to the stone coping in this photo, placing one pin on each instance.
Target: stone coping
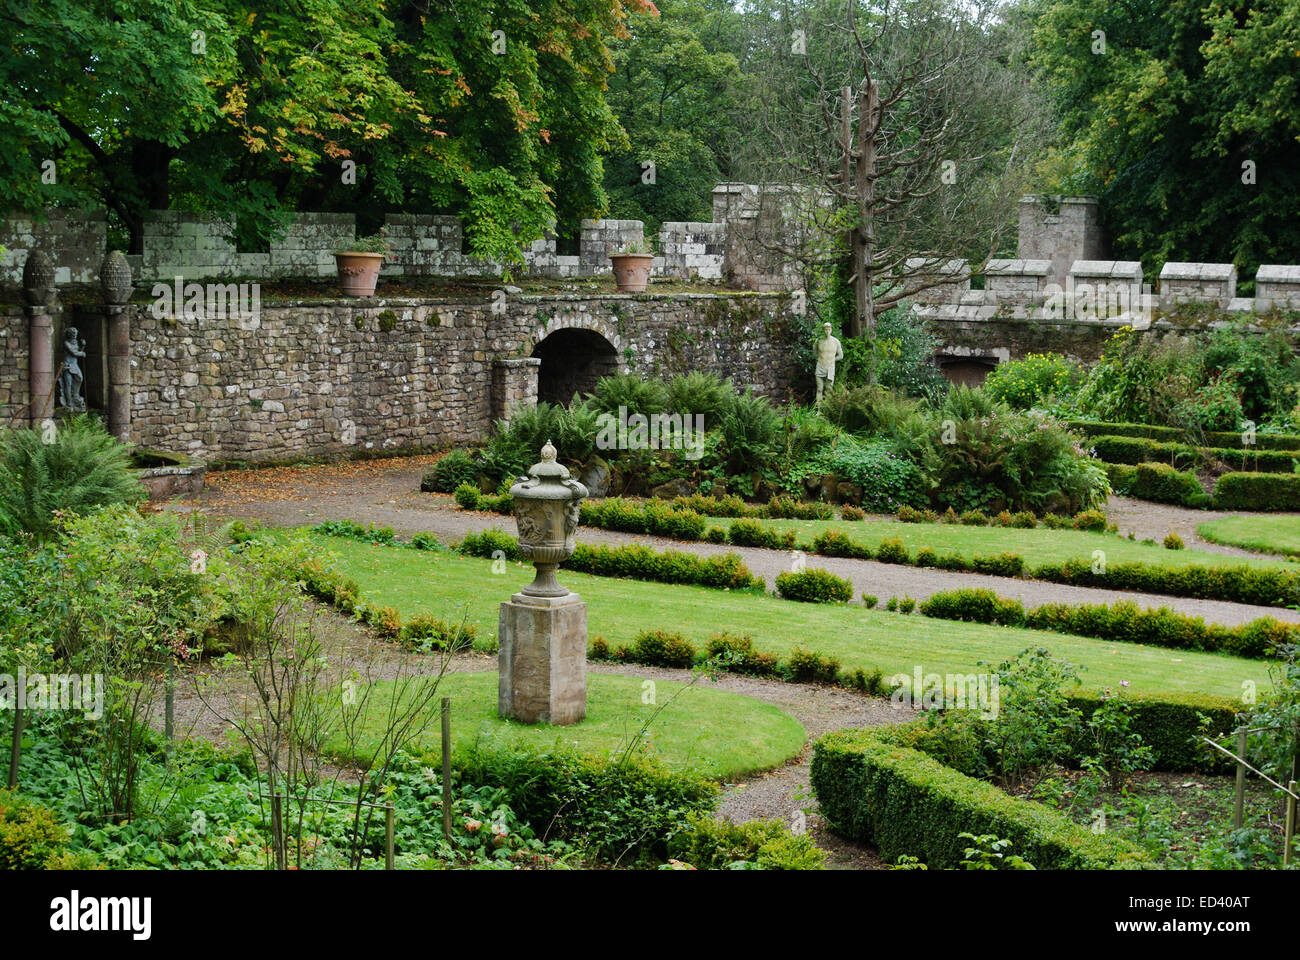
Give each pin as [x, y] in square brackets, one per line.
[1018, 268]
[1187, 270]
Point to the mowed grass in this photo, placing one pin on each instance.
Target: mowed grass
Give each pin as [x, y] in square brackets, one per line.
[1277, 533]
[712, 732]
[448, 585]
[1036, 546]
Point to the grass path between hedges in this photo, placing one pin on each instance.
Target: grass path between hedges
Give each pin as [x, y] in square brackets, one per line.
[1036, 546]
[1273, 534]
[449, 586]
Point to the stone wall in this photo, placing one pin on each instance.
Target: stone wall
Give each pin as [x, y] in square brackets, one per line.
[332, 377]
[1071, 232]
[193, 246]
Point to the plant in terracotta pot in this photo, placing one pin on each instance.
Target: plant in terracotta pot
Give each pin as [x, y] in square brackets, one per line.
[359, 261]
[632, 266]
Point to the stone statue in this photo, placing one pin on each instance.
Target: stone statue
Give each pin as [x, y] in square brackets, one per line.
[829, 352]
[70, 380]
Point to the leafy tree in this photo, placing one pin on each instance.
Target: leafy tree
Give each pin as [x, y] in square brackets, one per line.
[675, 91]
[1183, 118]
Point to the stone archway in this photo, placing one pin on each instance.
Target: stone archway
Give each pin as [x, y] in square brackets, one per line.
[573, 359]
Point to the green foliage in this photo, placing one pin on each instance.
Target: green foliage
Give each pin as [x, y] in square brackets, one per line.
[808, 666]
[427, 632]
[712, 844]
[631, 392]
[454, 468]
[988, 852]
[1117, 750]
[736, 653]
[30, 835]
[1158, 482]
[1170, 724]
[814, 586]
[1236, 584]
[700, 392]
[1136, 450]
[750, 432]
[974, 605]
[1172, 541]
[517, 445]
[663, 648]
[1033, 379]
[84, 467]
[468, 496]
[888, 480]
[1257, 491]
[905, 803]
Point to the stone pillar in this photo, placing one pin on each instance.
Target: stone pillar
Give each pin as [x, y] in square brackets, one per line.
[543, 659]
[514, 385]
[39, 292]
[115, 284]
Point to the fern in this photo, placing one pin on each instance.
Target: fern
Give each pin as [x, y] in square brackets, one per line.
[83, 468]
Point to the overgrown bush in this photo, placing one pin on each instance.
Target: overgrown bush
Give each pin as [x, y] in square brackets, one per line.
[712, 844]
[453, 468]
[1031, 380]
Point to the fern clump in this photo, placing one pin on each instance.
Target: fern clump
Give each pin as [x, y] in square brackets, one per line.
[81, 467]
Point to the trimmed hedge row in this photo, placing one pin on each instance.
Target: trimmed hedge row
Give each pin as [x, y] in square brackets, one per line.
[1170, 724]
[1125, 622]
[634, 561]
[1158, 482]
[1236, 584]
[1135, 450]
[904, 802]
[1219, 438]
[1257, 491]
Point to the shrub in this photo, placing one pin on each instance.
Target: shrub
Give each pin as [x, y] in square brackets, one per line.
[850, 512]
[722, 571]
[903, 802]
[751, 533]
[892, 551]
[662, 648]
[888, 480]
[386, 621]
[1257, 491]
[892, 604]
[468, 496]
[30, 835]
[1173, 541]
[454, 468]
[712, 844]
[715, 535]
[1093, 520]
[750, 428]
[487, 543]
[628, 809]
[832, 543]
[677, 524]
[426, 541]
[429, 632]
[974, 605]
[926, 557]
[1032, 379]
[814, 586]
[1171, 724]
[1236, 584]
[1161, 483]
[807, 666]
[598, 648]
[84, 467]
[1002, 565]
[906, 604]
[974, 518]
[700, 392]
[870, 600]
[1024, 520]
[911, 515]
[736, 653]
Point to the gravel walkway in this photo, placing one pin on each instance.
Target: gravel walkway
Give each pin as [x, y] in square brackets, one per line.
[385, 492]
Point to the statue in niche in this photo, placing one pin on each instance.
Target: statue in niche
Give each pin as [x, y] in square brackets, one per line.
[71, 379]
[829, 352]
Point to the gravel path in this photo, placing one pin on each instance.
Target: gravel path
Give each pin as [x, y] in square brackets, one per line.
[385, 492]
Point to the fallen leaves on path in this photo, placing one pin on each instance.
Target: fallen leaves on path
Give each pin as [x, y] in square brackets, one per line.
[306, 482]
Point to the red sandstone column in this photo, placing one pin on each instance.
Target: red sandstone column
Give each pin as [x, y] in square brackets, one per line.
[39, 291]
[115, 284]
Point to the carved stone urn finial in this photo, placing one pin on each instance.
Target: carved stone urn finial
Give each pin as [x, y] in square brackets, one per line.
[115, 281]
[38, 279]
[546, 512]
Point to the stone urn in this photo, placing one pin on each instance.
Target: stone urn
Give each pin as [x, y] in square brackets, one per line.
[547, 502]
[631, 271]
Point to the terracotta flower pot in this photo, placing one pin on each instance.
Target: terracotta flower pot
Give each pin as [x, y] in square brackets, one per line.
[631, 271]
[358, 272]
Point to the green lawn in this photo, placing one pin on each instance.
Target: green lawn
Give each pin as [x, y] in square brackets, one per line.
[1279, 533]
[1036, 546]
[722, 735]
[447, 584]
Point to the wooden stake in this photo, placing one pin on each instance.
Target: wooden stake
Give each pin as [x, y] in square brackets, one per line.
[388, 836]
[1240, 802]
[277, 830]
[446, 767]
[1290, 824]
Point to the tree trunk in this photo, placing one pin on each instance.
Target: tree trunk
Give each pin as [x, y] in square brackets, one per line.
[865, 190]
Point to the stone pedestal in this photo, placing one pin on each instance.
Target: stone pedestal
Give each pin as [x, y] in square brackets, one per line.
[543, 659]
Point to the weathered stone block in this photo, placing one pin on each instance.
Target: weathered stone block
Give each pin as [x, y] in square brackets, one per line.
[543, 659]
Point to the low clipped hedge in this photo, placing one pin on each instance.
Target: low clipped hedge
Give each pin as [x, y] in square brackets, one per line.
[634, 561]
[1171, 725]
[1158, 482]
[1135, 450]
[1124, 621]
[1216, 438]
[904, 802]
[1236, 584]
[1257, 491]
[814, 586]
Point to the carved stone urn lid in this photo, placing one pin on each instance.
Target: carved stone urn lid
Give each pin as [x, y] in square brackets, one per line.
[548, 480]
[115, 278]
[38, 279]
